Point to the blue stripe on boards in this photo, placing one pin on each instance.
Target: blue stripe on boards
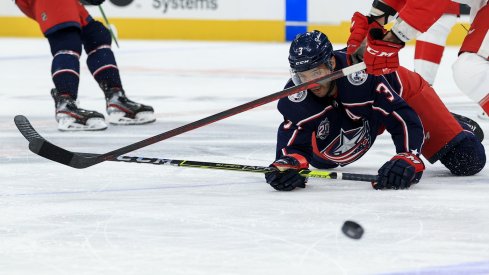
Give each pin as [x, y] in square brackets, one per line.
[295, 18]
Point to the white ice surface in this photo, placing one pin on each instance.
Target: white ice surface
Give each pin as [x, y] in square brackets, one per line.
[117, 218]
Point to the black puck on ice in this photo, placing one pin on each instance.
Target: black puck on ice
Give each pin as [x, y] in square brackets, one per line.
[352, 230]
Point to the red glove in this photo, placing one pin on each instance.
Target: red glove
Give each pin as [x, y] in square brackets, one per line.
[381, 57]
[360, 24]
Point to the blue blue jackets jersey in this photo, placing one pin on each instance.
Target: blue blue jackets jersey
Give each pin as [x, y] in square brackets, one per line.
[337, 131]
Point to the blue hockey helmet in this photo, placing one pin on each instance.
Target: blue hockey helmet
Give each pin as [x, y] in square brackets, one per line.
[309, 50]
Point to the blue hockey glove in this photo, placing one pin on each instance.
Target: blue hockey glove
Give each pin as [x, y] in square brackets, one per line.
[94, 2]
[286, 177]
[400, 172]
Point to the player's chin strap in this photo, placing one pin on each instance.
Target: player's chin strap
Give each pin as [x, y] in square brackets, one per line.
[331, 88]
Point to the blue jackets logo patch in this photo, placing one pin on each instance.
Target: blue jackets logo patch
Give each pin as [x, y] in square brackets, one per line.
[358, 78]
[299, 97]
[349, 145]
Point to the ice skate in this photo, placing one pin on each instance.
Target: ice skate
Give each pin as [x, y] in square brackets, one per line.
[123, 111]
[72, 118]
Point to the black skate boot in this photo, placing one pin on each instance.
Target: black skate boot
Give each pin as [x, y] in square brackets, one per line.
[123, 111]
[72, 118]
[469, 124]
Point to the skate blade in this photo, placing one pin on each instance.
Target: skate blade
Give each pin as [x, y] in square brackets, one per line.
[119, 118]
[93, 124]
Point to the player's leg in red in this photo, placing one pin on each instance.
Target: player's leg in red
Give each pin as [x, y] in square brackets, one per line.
[431, 44]
[471, 70]
[445, 139]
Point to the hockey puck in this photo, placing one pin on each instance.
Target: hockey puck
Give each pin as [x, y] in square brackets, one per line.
[352, 230]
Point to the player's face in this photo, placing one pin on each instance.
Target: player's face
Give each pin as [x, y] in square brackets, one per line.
[320, 71]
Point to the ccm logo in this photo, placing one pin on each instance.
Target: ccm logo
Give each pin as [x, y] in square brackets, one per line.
[378, 53]
[301, 62]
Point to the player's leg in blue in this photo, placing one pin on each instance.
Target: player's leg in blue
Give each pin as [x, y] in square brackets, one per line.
[102, 64]
[468, 157]
[66, 49]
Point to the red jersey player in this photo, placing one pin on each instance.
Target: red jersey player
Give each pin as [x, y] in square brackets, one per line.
[471, 70]
[68, 26]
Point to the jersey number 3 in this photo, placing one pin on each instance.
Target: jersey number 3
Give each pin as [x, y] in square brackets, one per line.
[383, 89]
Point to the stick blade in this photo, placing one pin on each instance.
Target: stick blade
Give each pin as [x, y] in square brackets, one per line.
[42, 147]
[50, 151]
[25, 128]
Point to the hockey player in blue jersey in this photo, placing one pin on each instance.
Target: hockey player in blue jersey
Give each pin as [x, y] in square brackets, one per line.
[337, 123]
[68, 27]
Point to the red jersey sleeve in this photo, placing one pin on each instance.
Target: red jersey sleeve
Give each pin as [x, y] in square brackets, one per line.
[419, 14]
[395, 4]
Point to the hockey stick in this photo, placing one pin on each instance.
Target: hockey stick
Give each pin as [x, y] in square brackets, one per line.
[44, 148]
[108, 25]
[243, 168]
[30, 134]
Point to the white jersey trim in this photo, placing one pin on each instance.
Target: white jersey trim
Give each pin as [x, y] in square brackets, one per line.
[406, 132]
